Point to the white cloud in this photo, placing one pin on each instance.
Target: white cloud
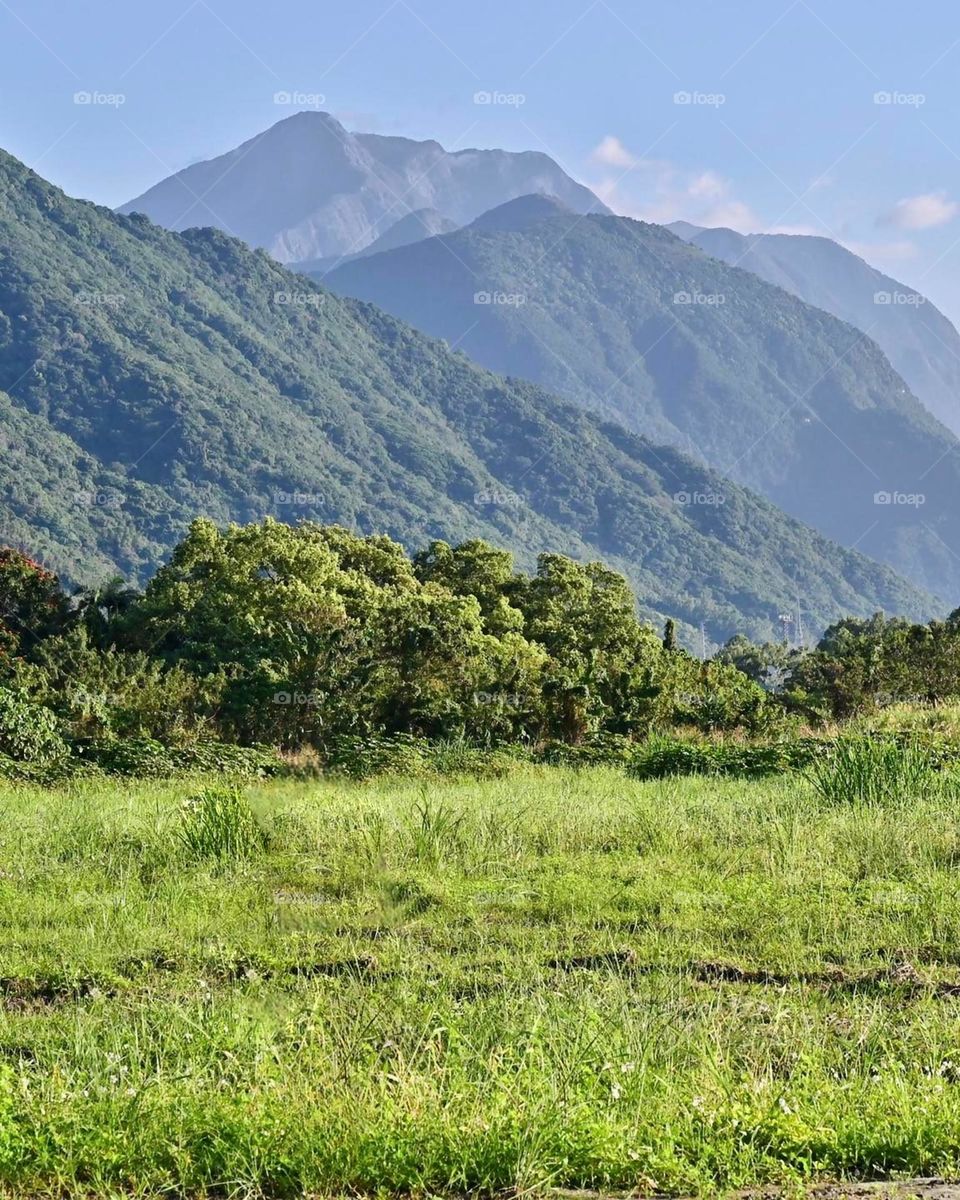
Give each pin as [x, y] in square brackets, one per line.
[661, 192]
[921, 212]
[657, 190]
[611, 152]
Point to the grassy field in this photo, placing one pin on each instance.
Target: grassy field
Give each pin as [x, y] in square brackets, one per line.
[556, 979]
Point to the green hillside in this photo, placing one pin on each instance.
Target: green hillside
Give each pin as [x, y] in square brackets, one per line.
[151, 377]
[629, 321]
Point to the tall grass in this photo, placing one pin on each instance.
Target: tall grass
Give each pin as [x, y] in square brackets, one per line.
[877, 772]
[218, 823]
[563, 979]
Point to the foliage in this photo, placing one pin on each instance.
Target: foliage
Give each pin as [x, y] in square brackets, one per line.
[407, 757]
[661, 757]
[28, 732]
[146, 758]
[32, 604]
[864, 666]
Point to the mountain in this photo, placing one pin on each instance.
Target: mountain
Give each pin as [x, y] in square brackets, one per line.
[414, 227]
[148, 377]
[921, 343]
[307, 189]
[633, 323]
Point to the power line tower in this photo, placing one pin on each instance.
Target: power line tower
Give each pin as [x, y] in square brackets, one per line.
[786, 620]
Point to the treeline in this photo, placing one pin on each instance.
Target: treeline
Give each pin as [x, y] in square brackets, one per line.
[297, 636]
[860, 666]
[294, 636]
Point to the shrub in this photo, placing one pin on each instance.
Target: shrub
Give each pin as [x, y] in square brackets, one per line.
[661, 757]
[415, 758]
[147, 758]
[29, 733]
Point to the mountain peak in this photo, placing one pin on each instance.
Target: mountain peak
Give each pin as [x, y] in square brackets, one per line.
[522, 212]
[307, 189]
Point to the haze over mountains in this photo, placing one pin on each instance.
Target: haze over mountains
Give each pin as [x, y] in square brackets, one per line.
[306, 189]
[632, 322]
[147, 377]
[921, 343]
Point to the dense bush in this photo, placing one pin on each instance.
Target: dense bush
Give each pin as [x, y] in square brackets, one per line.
[298, 637]
[661, 757]
[413, 757]
[28, 732]
[149, 758]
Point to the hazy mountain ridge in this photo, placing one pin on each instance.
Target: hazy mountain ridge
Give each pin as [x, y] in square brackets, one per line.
[921, 343]
[630, 321]
[307, 189]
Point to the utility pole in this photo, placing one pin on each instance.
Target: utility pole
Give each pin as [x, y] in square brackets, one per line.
[703, 641]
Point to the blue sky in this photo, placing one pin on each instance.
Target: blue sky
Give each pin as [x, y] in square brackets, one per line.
[782, 128]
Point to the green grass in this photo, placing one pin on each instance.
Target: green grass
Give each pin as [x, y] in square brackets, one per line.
[558, 978]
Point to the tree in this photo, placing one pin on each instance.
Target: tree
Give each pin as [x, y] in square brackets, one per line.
[33, 606]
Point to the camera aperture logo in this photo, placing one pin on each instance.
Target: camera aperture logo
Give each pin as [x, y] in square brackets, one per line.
[899, 299]
[100, 299]
[499, 497]
[300, 699]
[900, 99]
[92, 499]
[299, 499]
[100, 99]
[700, 99]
